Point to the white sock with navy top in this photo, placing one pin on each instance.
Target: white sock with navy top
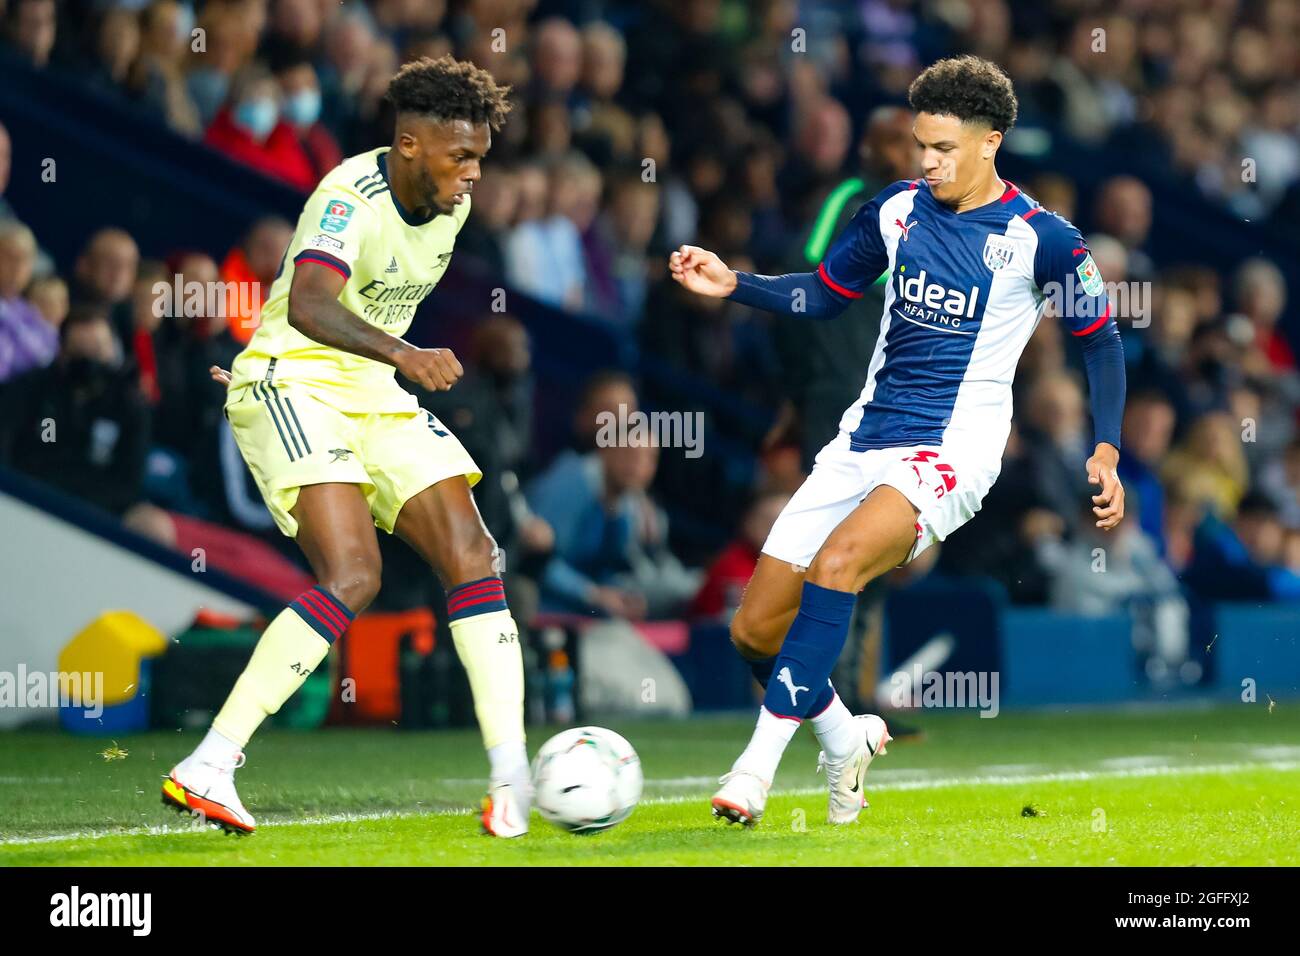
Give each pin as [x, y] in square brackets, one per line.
[487, 643]
[801, 677]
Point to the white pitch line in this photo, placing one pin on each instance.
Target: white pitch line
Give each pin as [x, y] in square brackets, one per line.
[878, 786]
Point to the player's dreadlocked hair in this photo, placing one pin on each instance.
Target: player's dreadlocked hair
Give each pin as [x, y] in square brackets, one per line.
[967, 87]
[449, 89]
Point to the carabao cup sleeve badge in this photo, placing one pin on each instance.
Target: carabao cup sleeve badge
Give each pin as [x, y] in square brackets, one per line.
[1089, 276]
[337, 215]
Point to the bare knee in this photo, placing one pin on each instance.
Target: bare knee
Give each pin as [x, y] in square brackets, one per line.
[840, 566]
[355, 583]
[476, 556]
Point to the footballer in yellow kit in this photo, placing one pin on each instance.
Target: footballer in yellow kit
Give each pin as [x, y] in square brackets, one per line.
[338, 447]
[303, 412]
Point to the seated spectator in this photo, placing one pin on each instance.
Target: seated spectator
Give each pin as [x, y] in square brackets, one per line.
[300, 99]
[190, 338]
[1209, 465]
[1014, 520]
[249, 270]
[1280, 480]
[373, 116]
[50, 296]
[80, 425]
[678, 207]
[115, 47]
[155, 78]
[1261, 297]
[1157, 354]
[544, 253]
[725, 343]
[250, 130]
[295, 24]
[348, 47]
[556, 60]
[1123, 210]
[604, 392]
[105, 274]
[1100, 573]
[147, 310]
[726, 577]
[1147, 430]
[231, 39]
[1057, 443]
[1055, 193]
[27, 339]
[30, 27]
[626, 228]
[1244, 560]
[496, 204]
[610, 539]
[603, 127]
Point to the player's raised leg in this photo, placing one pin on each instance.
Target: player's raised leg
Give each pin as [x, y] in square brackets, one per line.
[337, 534]
[876, 536]
[443, 525]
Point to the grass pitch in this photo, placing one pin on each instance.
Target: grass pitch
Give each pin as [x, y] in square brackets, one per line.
[1181, 786]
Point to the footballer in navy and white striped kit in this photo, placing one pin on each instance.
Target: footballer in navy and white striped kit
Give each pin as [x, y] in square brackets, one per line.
[966, 293]
[971, 264]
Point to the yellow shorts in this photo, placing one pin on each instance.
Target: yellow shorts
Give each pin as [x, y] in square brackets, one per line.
[291, 437]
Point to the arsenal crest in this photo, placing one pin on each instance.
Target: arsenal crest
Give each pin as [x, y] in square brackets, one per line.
[998, 252]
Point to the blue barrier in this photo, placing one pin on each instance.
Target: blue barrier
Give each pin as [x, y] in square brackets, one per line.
[1054, 658]
[715, 674]
[1259, 643]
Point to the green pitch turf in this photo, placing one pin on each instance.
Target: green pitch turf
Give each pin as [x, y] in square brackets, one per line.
[1164, 786]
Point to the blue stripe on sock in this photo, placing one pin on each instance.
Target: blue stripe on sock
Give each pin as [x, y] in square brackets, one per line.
[483, 596]
[336, 603]
[324, 613]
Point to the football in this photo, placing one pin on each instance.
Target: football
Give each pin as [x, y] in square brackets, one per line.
[586, 779]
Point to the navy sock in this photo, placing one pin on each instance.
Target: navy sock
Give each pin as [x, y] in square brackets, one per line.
[762, 670]
[811, 648]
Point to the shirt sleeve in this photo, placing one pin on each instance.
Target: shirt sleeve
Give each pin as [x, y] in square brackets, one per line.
[1066, 274]
[858, 255]
[333, 230]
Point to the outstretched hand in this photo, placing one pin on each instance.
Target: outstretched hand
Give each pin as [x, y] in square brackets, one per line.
[702, 272]
[219, 375]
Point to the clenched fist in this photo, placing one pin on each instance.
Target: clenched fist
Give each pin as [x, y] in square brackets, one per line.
[434, 369]
[1108, 503]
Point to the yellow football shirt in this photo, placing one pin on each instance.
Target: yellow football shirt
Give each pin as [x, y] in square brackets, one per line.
[391, 260]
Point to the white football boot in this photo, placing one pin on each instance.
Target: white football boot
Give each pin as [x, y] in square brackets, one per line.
[741, 799]
[505, 809]
[845, 777]
[206, 791]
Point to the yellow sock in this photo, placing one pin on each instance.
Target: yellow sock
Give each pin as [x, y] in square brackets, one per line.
[487, 643]
[290, 648]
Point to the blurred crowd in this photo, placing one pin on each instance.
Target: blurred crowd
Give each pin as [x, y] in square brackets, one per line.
[750, 129]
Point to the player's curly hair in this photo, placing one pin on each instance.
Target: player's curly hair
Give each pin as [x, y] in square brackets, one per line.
[449, 89]
[968, 87]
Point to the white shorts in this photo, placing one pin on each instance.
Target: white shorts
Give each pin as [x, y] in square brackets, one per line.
[947, 484]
